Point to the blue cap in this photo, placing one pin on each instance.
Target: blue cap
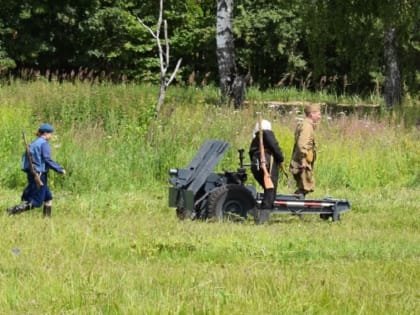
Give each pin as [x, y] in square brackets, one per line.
[45, 128]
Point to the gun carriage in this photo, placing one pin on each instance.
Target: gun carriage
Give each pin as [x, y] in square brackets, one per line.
[198, 193]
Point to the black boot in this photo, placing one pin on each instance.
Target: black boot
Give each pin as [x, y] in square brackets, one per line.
[46, 211]
[301, 192]
[19, 208]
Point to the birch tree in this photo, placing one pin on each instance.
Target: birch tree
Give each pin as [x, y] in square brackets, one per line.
[164, 56]
[232, 85]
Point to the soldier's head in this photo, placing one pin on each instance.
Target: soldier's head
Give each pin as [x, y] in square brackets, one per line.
[265, 125]
[313, 111]
[45, 130]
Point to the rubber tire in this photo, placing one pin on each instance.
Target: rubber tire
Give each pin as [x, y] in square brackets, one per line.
[230, 202]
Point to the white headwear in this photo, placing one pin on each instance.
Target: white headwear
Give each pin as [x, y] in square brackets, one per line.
[265, 125]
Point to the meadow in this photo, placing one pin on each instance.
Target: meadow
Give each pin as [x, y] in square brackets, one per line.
[113, 246]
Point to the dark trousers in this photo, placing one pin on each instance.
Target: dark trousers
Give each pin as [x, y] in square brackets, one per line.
[34, 195]
[269, 194]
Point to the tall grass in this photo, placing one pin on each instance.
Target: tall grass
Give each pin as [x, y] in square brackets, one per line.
[114, 247]
[107, 139]
[106, 135]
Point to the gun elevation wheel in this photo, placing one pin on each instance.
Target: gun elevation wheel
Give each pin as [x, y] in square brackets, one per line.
[230, 202]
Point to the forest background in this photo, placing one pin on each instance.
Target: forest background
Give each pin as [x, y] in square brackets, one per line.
[327, 44]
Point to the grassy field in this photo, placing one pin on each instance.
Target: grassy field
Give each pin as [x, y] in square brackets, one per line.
[114, 247]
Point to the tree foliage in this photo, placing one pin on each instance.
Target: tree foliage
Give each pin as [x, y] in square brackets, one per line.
[269, 35]
[302, 43]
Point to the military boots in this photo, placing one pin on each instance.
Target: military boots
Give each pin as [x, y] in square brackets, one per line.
[19, 208]
[46, 212]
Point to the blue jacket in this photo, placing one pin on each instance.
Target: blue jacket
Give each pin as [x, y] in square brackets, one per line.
[41, 157]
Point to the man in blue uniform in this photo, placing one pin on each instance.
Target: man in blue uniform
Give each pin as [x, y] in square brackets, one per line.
[35, 196]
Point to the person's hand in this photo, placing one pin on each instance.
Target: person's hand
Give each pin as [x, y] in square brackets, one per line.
[64, 172]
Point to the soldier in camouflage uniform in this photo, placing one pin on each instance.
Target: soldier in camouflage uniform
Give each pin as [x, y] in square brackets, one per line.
[304, 151]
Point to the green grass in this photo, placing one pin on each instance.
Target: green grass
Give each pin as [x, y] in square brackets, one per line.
[128, 254]
[114, 247]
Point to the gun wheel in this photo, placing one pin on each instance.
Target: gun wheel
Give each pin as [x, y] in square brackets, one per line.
[230, 202]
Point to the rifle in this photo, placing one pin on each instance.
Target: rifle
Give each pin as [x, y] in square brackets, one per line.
[268, 183]
[37, 176]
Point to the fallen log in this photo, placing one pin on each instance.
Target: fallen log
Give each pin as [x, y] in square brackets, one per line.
[273, 104]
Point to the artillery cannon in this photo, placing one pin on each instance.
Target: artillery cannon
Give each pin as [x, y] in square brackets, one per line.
[198, 193]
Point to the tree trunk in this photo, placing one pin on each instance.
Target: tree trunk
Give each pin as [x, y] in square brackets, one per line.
[163, 57]
[392, 86]
[161, 98]
[231, 85]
